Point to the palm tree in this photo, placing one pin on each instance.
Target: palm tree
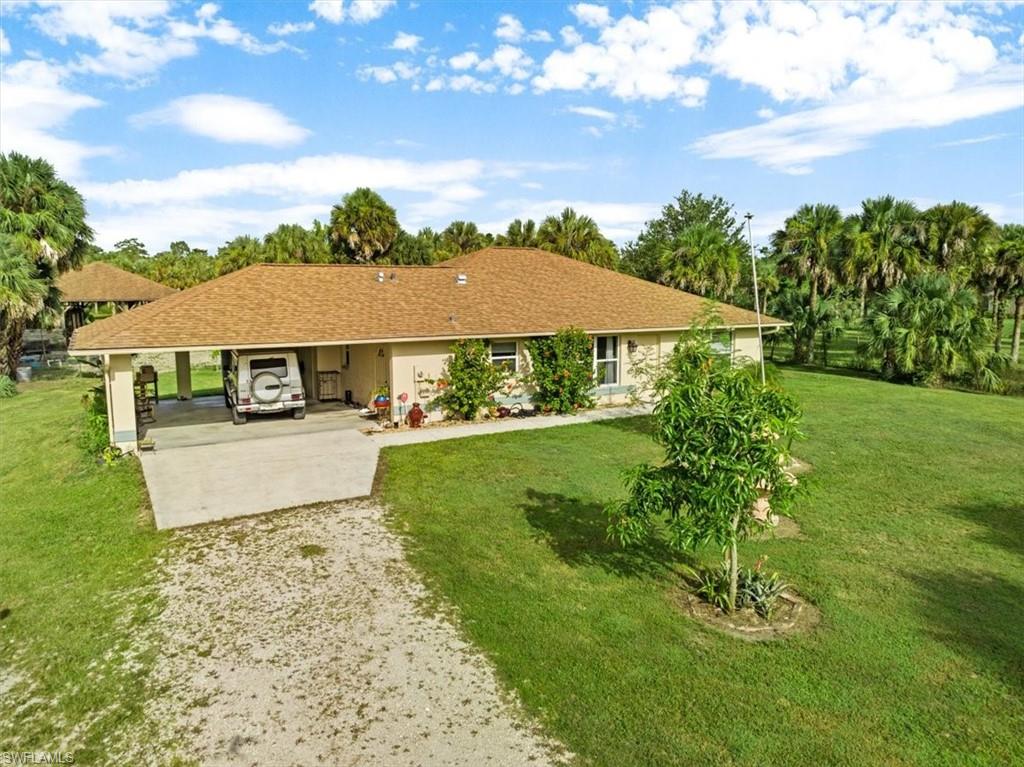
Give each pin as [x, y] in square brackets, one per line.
[928, 330]
[882, 245]
[578, 237]
[520, 234]
[1008, 273]
[461, 237]
[44, 218]
[22, 293]
[957, 234]
[702, 260]
[363, 226]
[241, 252]
[808, 247]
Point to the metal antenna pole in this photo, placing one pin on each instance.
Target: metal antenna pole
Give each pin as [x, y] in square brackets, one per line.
[757, 297]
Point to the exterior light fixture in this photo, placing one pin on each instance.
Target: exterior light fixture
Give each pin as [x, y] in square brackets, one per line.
[631, 345]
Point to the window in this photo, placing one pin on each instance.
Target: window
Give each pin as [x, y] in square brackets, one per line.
[505, 354]
[721, 343]
[606, 360]
[276, 365]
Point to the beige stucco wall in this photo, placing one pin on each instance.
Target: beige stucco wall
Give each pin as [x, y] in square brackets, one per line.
[745, 346]
[119, 379]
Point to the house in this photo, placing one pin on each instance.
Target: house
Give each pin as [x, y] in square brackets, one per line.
[392, 326]
[98, 283]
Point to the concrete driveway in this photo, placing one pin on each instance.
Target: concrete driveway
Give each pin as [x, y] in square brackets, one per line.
[205, 468]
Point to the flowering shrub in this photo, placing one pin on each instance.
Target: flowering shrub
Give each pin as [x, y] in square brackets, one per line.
[471, 380]
[562, 371]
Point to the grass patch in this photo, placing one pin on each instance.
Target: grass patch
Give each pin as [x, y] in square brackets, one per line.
[308, 550]
[74, 581]
[206, 381]
[914, 534]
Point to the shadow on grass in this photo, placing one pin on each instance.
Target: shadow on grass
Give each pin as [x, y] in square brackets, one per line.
[641, 424]
[576, 530]
[1001, 524]
[979, 616]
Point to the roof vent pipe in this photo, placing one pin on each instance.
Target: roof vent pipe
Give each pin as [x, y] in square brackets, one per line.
[380, 276]
[461, 279]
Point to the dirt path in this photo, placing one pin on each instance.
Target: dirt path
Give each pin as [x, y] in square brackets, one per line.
[298, 638]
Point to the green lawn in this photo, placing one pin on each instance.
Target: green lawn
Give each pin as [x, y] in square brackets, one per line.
[77, 550]
[206, 381]
[914, 552]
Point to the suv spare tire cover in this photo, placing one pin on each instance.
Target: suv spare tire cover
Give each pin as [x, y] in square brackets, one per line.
[266, 387]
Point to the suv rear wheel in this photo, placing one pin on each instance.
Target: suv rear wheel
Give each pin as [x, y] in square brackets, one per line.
[299, 413]
[237, 418]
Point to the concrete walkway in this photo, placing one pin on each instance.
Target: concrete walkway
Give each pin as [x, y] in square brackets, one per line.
[207, 472]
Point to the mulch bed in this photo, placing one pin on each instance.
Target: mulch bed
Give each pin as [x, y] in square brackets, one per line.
[793, 615]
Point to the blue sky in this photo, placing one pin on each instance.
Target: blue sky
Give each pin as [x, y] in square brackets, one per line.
[201, 121]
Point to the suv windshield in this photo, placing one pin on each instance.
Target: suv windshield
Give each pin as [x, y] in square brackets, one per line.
[276, 365]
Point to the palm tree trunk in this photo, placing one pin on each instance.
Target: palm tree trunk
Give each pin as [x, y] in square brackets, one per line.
[864, 296]
[1018, 312]
[12, 333]
[997, 318]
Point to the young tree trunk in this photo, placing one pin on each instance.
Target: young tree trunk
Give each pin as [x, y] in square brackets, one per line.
[1018, 313]
[864, 296]
[734, 569]
[813, 304]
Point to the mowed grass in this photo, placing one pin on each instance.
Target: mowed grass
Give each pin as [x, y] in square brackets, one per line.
[913, 551]
[206, 381]
[76, 553]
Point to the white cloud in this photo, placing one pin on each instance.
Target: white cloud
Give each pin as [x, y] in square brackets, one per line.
[466, 60]
[974, 140]
[283, 29]
[332, 11]
[406, 42]
[591, 15]
[5, 44]
[511, 62]
[389, 74]
[600, 114]
[515, 89]
[634, 58]
[570, 37]
[766, 113]
[220, 30]
[511, 30]
[358, 11]
[470, 83]
[35, 107]
[790, 143]
[229, 119]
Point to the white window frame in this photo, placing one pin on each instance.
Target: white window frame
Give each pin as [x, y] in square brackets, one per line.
[720, 350]
[509, 360]
[615, 344]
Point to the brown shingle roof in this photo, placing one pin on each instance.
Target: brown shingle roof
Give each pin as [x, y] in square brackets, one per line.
[98, 282]
[508, 291]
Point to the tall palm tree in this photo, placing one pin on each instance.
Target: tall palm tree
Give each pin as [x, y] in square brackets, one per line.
[1007, 269]
[570, 234]
[241, 252]
[44, 218]
[701, 259]
[882, 245]
[363, 226]
[957, 234]
[520, 234]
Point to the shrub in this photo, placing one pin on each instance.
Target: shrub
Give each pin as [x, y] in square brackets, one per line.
[760, 590]
[7, 387]
[562, 371]
[95, 436]
[472, 379]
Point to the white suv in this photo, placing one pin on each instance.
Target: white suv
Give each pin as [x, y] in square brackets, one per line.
[263, 382]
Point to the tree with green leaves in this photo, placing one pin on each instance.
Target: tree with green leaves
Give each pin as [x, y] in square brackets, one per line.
[23, 293]
[363, 227]
[181, 266]
[644, 258]
[1009, 254]
[519, 234]
[471, 379]
[578, 237]
[459, 238]
[883, 245]
[702, 260]
[43, 219]
[957, 235]
[294, 244]
[726, 439]
[245, 250]
[414, 249]
[808, 248]
[928, 330]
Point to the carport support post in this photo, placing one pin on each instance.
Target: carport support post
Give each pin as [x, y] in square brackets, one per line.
[121, 402]
[183, 371]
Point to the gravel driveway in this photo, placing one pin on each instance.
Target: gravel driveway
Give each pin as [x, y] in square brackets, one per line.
[301, 638]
